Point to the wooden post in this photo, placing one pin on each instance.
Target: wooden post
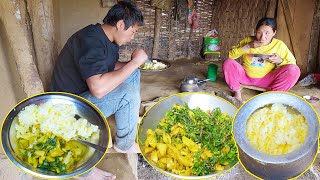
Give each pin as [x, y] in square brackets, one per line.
[42, 28]
[171, 39]
[156, 39]
[271, 11]
[20, 45]
[314, 47]
[318, 69]
[292, 35]
[189, 44]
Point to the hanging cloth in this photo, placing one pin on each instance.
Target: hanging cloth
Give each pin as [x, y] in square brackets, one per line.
[193, 16]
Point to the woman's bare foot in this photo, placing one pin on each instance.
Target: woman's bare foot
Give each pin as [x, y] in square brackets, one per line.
[97, 174]
[133, 149]
[237, 95]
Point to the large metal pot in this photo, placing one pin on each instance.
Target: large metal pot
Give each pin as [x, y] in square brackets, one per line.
[282, 166]
[85, 109]
[153, 116]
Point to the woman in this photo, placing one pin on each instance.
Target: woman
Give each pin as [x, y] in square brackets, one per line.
[267, 61]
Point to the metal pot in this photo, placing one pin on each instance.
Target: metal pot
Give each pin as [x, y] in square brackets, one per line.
[192, 84]
[153, 116]
[282, 166]
[85, 109]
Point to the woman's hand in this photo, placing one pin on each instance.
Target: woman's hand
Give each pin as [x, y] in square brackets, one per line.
[252, 44]
[275, 59]
[256, 44]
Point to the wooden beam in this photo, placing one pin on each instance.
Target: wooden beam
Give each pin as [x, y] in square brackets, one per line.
[314, 48]
[156, 39]
[271, 10]
[293, 38]
[42, 28]
[318, 55]
[189, 50]
[171, 39]
[17, 35]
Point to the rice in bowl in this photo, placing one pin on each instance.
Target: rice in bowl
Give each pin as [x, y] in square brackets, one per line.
[276, 129]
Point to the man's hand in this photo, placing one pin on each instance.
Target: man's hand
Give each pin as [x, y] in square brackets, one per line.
[275, 59]
[138, 57]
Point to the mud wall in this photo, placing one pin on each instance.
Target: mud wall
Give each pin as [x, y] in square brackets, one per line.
[73, 15]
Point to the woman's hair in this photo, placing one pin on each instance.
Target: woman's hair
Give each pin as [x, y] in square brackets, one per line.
[267, 21]
[126, 11]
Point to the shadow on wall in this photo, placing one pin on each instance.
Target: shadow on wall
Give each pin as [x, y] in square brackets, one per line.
[11, 88]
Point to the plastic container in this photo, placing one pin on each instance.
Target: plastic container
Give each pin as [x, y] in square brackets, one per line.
[212, 72]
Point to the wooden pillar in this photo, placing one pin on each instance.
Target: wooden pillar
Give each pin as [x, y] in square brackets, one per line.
[13, 16]
[42, 18]
[171, 38]
[293, 38]
[156, 39]
[314, 47]
[271, 10]
[189, 50]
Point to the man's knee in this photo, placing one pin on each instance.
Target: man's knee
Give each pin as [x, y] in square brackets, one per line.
[135, 76]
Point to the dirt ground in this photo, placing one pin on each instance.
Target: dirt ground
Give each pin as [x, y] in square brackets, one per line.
[167, 82]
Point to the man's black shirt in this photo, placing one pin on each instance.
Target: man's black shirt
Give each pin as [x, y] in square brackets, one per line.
[88, 52]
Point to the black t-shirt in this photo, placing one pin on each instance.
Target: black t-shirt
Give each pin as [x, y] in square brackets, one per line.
[88, 52]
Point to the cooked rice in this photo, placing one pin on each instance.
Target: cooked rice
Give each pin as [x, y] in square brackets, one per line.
[276, 129]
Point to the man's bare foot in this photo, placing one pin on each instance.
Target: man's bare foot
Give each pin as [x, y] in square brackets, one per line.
[237, 95]
[97, 174]
[133, 149]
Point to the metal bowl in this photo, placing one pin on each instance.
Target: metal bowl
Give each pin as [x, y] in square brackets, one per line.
[153, 116]
[157, 70]
[282, 166]
[84, 108]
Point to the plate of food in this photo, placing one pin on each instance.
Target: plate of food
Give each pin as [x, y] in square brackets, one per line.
[189, 136]
[37, 135]
[155, 65]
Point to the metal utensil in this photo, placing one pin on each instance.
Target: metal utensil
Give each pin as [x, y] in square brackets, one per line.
[203, 81]
[84, 109]
[94, 146]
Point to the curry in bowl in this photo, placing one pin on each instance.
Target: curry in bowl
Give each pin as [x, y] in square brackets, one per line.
[192, 142]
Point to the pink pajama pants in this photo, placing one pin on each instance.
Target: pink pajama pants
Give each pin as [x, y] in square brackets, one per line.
[280, 79]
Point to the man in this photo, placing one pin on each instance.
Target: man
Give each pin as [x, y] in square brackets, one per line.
[88, 66]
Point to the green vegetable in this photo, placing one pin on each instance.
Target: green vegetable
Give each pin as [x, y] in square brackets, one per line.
[51, 153]
[212, 130]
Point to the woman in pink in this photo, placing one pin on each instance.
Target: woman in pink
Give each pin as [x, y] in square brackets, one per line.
[266, 61]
